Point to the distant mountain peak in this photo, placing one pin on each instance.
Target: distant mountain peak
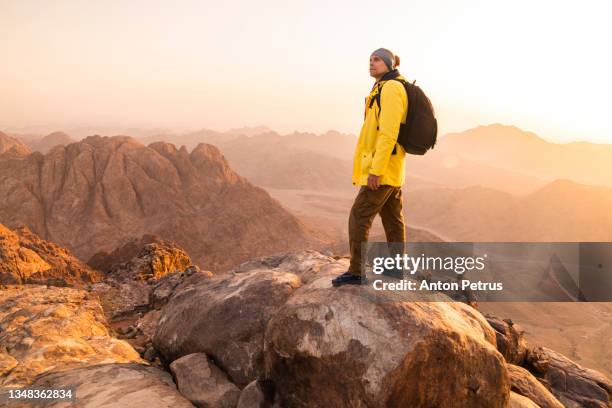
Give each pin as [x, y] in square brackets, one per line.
[91, 195]
[500, 131]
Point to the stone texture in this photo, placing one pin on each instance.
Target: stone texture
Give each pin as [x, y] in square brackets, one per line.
[115, 386]
[225, 317]
[98, 193]
[278, 318]
[25, 258]
[144, 277]
[354, 348]
[252, 396]
[572, 384]
[524, 383]
[509, 338]
[153, 260]
[52, 328]
[519, 401]
[202, 383]
[11, 147]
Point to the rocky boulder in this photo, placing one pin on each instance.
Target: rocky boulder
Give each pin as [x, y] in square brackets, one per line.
[114, 385]
[279, 319]
[525, 384]
[355, 347]
[145, 276]
[151, 262]
[138, 269]
[573, 385]
[225, 317]
[26, 258]
[510, 339]
[200, 381]
[49, 329]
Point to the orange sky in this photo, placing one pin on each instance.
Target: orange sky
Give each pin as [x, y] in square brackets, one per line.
[303, 65]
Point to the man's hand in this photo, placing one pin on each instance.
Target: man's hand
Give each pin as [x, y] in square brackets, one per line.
[373, 181]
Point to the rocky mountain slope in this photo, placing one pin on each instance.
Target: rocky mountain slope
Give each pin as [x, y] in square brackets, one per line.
[562, 210]
[101, 192]
[11, 148]
[273, 333]
[314, 345]
[25, 258]
[509, 147]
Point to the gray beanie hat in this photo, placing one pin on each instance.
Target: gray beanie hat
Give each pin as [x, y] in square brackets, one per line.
[387, 56]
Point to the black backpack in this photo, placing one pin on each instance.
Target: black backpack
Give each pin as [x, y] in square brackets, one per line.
[420, 131]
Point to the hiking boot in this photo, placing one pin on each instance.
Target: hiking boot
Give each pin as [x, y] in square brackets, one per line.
[348, 278]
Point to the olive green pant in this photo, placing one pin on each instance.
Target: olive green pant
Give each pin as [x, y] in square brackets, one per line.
[386, 201]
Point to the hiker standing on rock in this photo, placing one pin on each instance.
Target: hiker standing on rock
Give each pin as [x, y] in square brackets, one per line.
[379, 162]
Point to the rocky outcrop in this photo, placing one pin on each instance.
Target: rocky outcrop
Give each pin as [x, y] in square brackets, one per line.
[509, 338]
[572, 384]
[115, 385]
[134, 289]
[105, 261]
[58, 338]
[525, 384]
[25, 258]
[152, 258]
[278, 319]
[202, 383]
[114, 188]
[16, 152]
[272, 332]
[51, 328]
[225, 317]
[145, 281]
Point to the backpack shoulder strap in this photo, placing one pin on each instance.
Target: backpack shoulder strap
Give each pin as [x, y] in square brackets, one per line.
[377, 97]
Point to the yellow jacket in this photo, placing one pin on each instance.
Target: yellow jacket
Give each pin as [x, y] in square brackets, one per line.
[377, 150]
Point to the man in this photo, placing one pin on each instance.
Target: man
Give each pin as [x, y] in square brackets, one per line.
[379, 163]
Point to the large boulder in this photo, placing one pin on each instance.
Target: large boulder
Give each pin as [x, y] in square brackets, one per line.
[355, 347]
[113, 385]
[51, 328]
[573, 385]
[278, 318]
[225, 317]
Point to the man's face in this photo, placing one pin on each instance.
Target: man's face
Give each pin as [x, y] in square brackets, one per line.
[377, 66]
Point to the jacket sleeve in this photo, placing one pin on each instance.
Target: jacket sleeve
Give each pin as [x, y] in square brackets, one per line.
[392, 111]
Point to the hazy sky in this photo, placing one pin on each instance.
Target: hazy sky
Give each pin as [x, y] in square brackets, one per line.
[543, 66]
